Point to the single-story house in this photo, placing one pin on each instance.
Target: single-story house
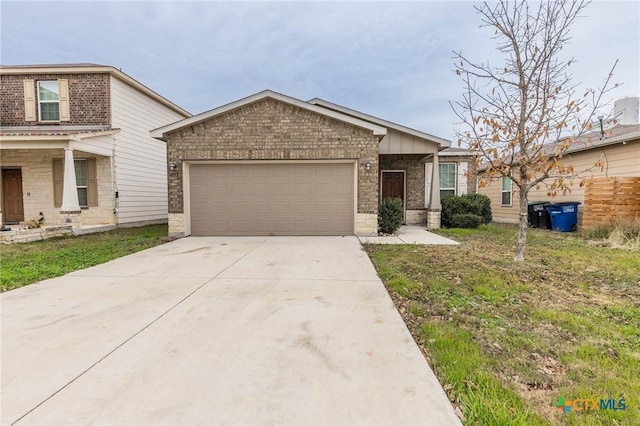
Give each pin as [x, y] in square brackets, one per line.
[75, 148]
[618, 148]
[270, 164]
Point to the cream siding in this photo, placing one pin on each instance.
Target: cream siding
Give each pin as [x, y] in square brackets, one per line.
[396, 142]
[140, 161]
[621, 160]
[98, 145]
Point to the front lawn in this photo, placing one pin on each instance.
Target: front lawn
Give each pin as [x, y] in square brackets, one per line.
[507, 341]
[22, 264]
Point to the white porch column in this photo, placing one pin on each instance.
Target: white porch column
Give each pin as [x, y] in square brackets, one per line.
[434, 210]
[70, 203]
[434, 202]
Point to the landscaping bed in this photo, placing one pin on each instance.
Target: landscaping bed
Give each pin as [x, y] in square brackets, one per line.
[507, 341]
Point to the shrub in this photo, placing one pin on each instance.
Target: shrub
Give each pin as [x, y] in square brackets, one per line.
[482, 206]
[390, 215]
[475, 204]
[466, 221]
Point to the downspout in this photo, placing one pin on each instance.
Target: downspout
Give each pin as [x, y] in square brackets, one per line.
[116, 197]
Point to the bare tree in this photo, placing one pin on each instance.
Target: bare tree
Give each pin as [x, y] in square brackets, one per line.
[516, 114]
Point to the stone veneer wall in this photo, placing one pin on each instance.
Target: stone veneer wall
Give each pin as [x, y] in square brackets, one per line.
[272, 130]
[37, 185]
[38, 234]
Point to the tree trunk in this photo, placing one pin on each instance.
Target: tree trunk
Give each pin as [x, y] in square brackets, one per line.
[523, 226]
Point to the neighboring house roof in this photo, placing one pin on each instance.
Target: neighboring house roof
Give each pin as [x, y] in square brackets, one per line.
[161, 131]
[86, 68]
[379, 121]
[618, 134]
[614, 135]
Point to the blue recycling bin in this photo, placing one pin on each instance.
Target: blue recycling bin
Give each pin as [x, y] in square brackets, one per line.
[564, 216]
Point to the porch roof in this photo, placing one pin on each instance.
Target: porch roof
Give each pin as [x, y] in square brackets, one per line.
[58, 133]
[76, 138]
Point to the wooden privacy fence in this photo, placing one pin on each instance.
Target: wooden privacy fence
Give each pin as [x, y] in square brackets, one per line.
[608, 201]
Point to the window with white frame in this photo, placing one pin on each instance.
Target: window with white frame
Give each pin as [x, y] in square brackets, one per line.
[49, 100]
[507, 185]
[81, 182]
[447, 179]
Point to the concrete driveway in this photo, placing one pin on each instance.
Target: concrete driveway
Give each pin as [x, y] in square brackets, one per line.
[276, 330]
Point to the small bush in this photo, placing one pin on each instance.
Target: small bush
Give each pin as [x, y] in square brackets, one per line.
[482, 206]
[466, 221]
[390, 215]
[475, 204]
[599, 233]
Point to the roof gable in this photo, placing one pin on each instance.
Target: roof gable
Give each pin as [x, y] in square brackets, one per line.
[199, 118]
[444, 143]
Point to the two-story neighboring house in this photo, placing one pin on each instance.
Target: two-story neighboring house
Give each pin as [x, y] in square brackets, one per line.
[75, 146]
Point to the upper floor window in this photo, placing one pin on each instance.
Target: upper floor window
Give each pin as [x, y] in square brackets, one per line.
[46, 101]
[507, 186]
[49, 100]
[447, 179]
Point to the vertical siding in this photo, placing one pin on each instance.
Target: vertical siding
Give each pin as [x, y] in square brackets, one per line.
[622, 160]
[140, 161]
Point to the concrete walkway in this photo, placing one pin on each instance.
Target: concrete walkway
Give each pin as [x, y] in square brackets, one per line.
[272, 330]
[410, 234]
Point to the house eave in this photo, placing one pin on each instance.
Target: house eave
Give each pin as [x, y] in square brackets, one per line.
[444, 143]
[93, 69]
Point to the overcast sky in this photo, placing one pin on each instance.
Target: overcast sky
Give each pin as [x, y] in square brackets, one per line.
[391, 60]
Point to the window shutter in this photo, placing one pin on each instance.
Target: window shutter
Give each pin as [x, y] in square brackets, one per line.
[92, 183]
[427, 183]
[462, 178]
[29, 100]
[63, 87]
[58, 173]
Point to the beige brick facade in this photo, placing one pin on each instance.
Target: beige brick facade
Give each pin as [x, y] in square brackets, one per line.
[89, 99]
[273, 130]
[37, 185]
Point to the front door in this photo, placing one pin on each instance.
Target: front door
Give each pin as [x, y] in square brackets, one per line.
[392, 185]
[12, 208]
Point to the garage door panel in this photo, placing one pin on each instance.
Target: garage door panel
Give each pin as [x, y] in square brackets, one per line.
[272, 199]
[343, 208]
[325, 189]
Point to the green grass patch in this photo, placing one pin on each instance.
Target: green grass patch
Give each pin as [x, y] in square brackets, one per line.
[505, 339]
[22, 264]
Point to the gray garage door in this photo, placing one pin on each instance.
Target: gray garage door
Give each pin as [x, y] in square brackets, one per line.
[272, 199]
